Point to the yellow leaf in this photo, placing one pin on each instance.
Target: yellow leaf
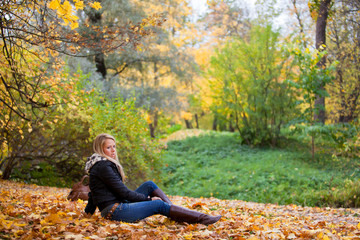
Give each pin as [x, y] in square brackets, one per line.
[65, 9]
[74, 25]
[320, 235]
[95, 5]
[19, 233]
[358, 226]
[20, 224]
[7, 224]
[27, 198]
[79, 4]
[188, 236]
[54, 4]
[53, 218]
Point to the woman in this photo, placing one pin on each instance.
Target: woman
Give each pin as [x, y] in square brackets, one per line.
[117, 202]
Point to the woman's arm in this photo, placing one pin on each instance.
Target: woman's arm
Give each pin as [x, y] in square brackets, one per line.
[90, 207]
[112, 179]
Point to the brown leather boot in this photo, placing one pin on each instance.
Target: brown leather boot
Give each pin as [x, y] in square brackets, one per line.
[181, 214]
[159, 193]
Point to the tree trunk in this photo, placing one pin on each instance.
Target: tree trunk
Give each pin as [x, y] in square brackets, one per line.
[323, 13]
[197, 121]
[353, 99]
[214, 125]
[188, 124]
[100, 64]
[231, 127]
[152, 130]
[152, 126]
[10, 163]
[342, 98]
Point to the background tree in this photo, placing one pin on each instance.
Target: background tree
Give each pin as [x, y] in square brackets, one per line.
[322, 12]
[157, 72]
[301, 28]
[343, 47]
[223, 21]
[227, 19]
[35, 88]
[249, 86]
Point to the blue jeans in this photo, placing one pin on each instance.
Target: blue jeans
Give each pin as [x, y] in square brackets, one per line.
[132, 212]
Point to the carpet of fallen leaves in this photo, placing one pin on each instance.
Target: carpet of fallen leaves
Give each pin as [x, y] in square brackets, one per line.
[35, 212]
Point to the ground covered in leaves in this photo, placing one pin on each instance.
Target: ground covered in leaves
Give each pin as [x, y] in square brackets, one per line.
[34, 212]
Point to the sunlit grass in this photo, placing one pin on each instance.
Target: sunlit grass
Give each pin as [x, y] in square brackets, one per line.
[216, 164]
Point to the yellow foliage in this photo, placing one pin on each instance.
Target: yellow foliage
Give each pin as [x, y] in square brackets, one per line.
[79, 4]
[65, 11]
[186, 115]
[202, 56]
[96, 5]
[148, 119]
[54, 4]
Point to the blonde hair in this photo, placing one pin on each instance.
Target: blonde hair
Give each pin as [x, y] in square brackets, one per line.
[98, 148]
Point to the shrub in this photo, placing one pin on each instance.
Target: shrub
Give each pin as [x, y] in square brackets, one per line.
[348, 195]
[138, 154]
[248, 87]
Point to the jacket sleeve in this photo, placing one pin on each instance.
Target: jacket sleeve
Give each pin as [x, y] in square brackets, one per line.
[90, 207]
[112, 179]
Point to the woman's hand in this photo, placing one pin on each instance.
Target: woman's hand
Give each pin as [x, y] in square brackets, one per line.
[155, 198]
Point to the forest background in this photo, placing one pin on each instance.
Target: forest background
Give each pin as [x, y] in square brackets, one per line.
[143, 70]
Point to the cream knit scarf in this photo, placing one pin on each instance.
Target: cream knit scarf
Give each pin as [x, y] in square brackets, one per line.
[96, 158]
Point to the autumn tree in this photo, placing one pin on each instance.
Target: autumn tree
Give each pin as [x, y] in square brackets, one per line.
[34, 34]
[30, 39]
[344, 47]
[227, 19]
[113, 22]
[222, 21]
[154, 71]
[302, 27]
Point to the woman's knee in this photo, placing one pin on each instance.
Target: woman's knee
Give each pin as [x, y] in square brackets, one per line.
[162, 207]
[151, 184]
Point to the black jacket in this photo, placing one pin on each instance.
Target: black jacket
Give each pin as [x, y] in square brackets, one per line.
[107, 188]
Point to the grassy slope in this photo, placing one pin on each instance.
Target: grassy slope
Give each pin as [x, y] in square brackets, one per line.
[217, 165]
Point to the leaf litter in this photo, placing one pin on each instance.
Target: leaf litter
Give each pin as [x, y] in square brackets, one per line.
[38, 212]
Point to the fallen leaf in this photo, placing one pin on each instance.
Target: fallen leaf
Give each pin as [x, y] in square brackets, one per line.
[36, 212]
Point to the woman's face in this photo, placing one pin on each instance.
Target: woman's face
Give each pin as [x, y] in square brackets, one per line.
[109, 148]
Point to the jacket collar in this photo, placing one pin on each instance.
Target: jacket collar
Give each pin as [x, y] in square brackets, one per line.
[92, 160]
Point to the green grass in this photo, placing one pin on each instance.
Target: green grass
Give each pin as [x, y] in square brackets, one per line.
[217, 165]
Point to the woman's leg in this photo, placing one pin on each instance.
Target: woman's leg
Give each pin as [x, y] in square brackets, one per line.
[181, 214]
[132, 212]
[149, 188]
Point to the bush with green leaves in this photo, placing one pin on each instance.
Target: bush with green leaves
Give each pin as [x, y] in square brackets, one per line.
[57, 137]
[62, 141]
[311, 83]
[346, 195]
[137, 152]
[249, 88]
